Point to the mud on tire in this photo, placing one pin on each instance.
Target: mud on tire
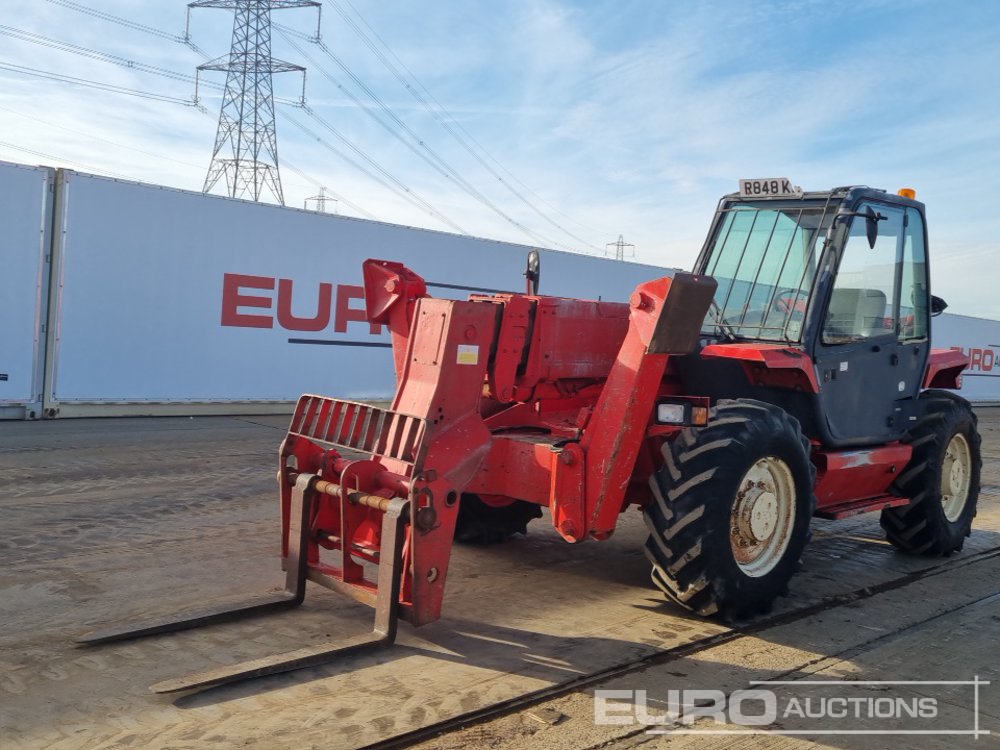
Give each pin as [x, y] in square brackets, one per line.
[936, 522]
[706, 473]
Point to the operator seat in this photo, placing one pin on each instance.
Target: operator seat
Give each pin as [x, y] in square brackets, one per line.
[855, 313]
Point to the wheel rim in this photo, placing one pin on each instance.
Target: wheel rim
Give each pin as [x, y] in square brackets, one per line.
[956, 473]
[763, 516]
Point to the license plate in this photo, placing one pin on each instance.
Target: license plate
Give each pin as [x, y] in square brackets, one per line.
[769, 187]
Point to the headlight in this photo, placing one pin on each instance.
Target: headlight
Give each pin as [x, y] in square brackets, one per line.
[679, 410]
[670, 414]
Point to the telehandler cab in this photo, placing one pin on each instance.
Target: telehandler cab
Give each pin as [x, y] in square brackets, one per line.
[790, 375]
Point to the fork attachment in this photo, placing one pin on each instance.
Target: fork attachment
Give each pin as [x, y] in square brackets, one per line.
[301, 509]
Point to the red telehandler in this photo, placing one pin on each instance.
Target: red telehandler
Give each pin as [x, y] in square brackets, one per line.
[790, 375]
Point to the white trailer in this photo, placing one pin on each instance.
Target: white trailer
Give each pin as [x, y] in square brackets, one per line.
[177, 301]
[26, 219]
[168, 301]
[979, 339]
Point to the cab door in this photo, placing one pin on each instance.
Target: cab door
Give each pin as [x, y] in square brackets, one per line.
[914, 309]
[858, 353]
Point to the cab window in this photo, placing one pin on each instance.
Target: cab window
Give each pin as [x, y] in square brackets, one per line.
[914, 295]
[863, 301]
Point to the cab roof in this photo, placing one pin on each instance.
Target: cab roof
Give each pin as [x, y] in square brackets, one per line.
[848, 194]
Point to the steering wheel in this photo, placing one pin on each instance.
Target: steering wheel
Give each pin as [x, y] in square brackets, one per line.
[789, 300]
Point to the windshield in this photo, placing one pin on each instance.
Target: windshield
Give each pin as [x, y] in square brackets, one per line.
[764, 258]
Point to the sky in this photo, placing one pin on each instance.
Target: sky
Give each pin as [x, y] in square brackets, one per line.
[557, 124]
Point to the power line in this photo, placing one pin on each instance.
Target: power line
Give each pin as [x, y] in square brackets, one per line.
[44, 155]
[424, 152]
[437, 111]
[433, 159]
[331, 194]
[288, 165]
[91, 136]
[377, 172]
[29, 36]
[407, 192]
[105, 16]
[112, 88]
[116, 19]
[118, 144]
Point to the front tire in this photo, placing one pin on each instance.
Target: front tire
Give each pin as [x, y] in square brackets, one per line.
[941, 479]
[731, 510]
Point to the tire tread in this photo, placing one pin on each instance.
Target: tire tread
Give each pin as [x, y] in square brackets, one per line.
[920, 527]
[680, 517]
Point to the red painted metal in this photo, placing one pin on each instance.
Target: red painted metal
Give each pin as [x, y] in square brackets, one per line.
[944, 368]
[566, 494]
[442, 383]
[770, 364]
[846, 477]
[517, 466]
[523, 397]
[551, 348]
[513, 341]
[519, 397]
[623, 412]
[857, 507]
[391, 293]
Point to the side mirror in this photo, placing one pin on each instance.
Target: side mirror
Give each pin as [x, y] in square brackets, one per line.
[533, 273]
[871, 226]
[872, 218]
[938, 305]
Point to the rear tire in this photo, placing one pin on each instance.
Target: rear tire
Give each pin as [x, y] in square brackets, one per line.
[481, 523]
[731, 510]
[941, 479]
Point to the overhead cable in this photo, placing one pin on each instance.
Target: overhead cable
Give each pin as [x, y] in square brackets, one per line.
[29, 36]
[376, 171]
[445, 119]
[93, 84]
[415, 143]
[91, 136]
[285, 164]
[44, 155]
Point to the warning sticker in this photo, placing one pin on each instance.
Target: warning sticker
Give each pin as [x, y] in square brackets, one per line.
[468, 355]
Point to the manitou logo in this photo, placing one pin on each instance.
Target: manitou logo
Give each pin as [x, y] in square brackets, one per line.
[328, 303]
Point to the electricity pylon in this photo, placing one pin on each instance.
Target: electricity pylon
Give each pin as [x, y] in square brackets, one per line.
[620, 248]
[321, 200]
[246, 143]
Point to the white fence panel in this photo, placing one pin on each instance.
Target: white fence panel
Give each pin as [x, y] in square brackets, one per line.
[174, 297]
[25, 222]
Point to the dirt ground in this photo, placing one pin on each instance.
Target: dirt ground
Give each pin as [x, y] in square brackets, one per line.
[110, 520]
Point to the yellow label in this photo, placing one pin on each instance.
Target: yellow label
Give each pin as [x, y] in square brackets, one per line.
[468, 355]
